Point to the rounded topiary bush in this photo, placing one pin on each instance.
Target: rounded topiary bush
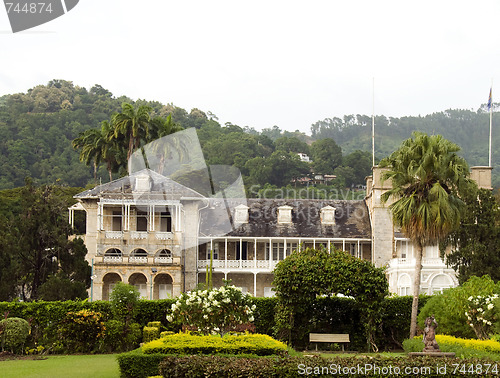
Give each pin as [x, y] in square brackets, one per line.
[14, 332]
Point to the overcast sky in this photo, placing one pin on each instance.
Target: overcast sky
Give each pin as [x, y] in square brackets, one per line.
[264, 63]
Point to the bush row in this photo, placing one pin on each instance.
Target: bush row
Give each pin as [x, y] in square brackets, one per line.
[328, 315]
[352, 366]
[184, 343]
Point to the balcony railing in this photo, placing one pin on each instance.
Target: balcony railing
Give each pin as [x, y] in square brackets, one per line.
[114, 234]
[164, 235]
[138, 234]
[112, 259]
[138, 259]
[164, 260]
[238, 264]
[407, 261]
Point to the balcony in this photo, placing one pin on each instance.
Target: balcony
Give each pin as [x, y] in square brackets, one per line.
[114, 234]
[138, 234]
[138, 260]
[238, 264]
[164, 235]
[112, 259]
[407, 262]
[164, 260]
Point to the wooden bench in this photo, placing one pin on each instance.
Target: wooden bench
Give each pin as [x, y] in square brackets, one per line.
[329, 338]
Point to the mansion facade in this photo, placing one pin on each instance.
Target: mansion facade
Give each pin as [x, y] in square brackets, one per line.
[152, 232]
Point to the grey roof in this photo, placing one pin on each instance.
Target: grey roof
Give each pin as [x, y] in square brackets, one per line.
[161, 187]
[352, 219]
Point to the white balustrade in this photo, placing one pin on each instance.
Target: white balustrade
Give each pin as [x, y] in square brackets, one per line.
[114, 234]
[138, 235]
[138, 259]
[112, 259]
[164, 235]
[164, 260]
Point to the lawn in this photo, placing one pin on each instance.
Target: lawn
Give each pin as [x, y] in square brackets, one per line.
[78, 366]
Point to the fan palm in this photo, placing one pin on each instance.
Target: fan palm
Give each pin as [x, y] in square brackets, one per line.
[427, 177]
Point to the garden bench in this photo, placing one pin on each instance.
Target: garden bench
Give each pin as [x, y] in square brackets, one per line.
[329, 338]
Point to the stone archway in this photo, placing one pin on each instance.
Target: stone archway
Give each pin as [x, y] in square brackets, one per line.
[108, 283]
[140, 281]
[163, 286]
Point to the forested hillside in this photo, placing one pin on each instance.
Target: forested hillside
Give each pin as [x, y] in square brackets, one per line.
[39, 126]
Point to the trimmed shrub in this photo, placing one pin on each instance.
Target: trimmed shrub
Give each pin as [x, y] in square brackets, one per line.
[14, 333]
[156, 324]
[183, 343]
[150, 334]
[136, 364]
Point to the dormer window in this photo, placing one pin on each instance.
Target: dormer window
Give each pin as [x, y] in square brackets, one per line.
[241, 214]
[328, 215]
[142, 183]
[285, 214]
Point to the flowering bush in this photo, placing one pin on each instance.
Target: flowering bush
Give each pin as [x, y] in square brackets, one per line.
[480, 314]
[82, 331]
[213, 311]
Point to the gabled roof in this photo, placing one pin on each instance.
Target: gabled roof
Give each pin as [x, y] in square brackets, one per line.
[352, 219]
[160, 187]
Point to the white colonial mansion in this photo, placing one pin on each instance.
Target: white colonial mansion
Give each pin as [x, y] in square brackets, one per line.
[150, 231]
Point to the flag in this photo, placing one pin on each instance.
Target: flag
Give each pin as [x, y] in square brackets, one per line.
[489, 100]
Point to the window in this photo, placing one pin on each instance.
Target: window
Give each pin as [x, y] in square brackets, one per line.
[215, 246]
[164, 291]
[269, 292]
[142, 221]
[241, 254]
[117, 220]
[165, 222]
[143, 290]
[279, 250]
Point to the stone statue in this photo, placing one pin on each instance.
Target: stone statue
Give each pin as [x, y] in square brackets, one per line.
[430, 335]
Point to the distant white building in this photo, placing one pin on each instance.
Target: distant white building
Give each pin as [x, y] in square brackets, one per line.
[304, 157]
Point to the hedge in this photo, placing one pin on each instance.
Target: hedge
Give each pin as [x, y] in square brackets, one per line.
[184, 343]
[351, 366]
[328, 315]
[136, 364]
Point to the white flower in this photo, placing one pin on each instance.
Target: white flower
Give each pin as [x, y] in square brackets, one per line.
[254, 307]
[480, 309]
[470, 298]
[169, 318]
[490, 306]
[250, 319]
[205, 316]
[488, 322]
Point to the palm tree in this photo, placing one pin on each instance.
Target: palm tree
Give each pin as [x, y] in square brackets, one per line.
[427, 177]
[91, 144]
[133, 124]
[113, 152]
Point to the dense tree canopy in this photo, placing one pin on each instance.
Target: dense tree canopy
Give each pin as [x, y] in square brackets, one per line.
[476, 243]
[38, 259]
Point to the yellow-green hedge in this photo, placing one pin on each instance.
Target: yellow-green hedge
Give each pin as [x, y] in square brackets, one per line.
[482, 345]
[184, 343]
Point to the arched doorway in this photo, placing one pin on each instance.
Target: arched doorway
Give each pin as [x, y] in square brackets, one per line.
[108, 283]
[138, 255]
[140, 281]
[163, 285]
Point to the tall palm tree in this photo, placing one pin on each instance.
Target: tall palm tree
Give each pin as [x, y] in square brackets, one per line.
[133, 124]
[91, 144]
[427, 178]
[113, 152]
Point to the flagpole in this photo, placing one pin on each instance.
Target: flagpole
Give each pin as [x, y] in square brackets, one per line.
[373, 122]
[490, 103]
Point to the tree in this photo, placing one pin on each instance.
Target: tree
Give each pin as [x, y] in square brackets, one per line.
[427, 178]
[326, 156]
[42, 248]
[133, 124]
[291, 144]
[91, 142]
[311, 273]
[476, 243]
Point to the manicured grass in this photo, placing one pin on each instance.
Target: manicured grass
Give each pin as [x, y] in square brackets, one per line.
[75, 366]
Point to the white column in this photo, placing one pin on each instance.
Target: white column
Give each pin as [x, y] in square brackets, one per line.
[255, 284]
[211, 248]
[225, 255]
[358, 252]
[255, 253]
[241, 251]
[99, 216]
[270, 254]
[284, 250]
[151, 217]
[343, 244]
